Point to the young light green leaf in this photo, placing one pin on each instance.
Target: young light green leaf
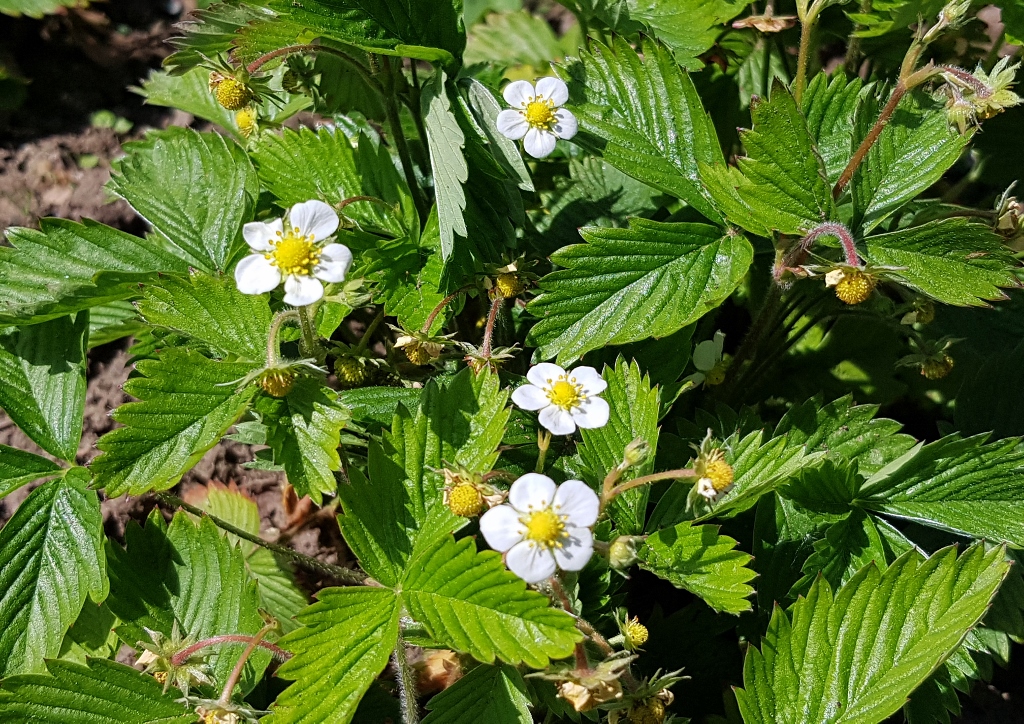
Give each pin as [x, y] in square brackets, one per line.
[344, 643]
[857, 657]
[66, 267]
[445, 141]
[961, 485]
[635, 409]
[18, 467]
[512, 38]
[209, 32]
[51, 558]
[688, 27]
[212, 311]
[469, 602]
[43, 371]
[648, 117]
[100, 692]
[186, 403]
[187, 573]
[492, 694]
[951, 260]
[649, 280]
[704, 562]
[201, 205]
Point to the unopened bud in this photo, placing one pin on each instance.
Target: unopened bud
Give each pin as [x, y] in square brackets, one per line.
[622, 551]
[636, 453]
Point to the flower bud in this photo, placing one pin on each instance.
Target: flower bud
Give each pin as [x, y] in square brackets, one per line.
[622, 551]
[247, 121]
[636, 453]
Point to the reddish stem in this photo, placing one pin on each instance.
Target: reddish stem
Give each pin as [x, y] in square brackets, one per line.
[485, 351]
[980, 89]
[862, 151]
[182, 656]
[441, 305]
[834, 228]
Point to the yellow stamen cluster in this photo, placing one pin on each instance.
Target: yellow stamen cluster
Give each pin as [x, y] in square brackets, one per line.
[855, 287]
[160, 676]
[277, 383]
[720, 474]
[509, 284]
[651, 711]
[293, 254]
[246, 119]
[936, 369]
[465, 501]
[565, 392]
[540, 113]
[636, 633]
[545, 528]
[232, 93]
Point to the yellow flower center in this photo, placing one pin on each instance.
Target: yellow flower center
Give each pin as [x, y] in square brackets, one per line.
[465, 500]
[855, 287]
[294, 254]
[565, 393]
[719, 473]
[540, 114]
[636, 632]
[545, 527]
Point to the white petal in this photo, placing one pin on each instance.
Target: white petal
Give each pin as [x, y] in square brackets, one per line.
[697, 378]
[553, 89]
[719, 343]
[576, 551]
[501, 528]
[532, 491]
[512, 124]
[539, 143]
[592, 413]
[300, 291]
[531, 562]
[557, 420]
[335, 259]
[566, 125]
[314, 218]
[529, 397]
[577, 500]
[256, 275]
[518, 93]
[705, 355]
[593, 383]
[259, 235]
[543, 374]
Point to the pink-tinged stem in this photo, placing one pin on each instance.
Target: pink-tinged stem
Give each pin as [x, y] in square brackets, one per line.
[182, 656]
[839, 231]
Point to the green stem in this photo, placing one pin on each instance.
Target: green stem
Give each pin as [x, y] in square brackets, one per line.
[406, 679]
[806, 28]
[398, 135]
[370, 329]
[342, 575]
[543, 443]
[273, 341]
[610, 495]
[310, 343]
[310, 48]
[766, 72]
[852, 58]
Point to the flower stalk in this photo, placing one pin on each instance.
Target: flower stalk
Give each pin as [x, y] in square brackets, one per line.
[543, 443]
[610, 491]
[406, 679]
[236, 673]
[186, 653]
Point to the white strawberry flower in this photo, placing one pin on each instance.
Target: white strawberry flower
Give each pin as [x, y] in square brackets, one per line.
[707, 358]
[542, 527]
[536, 115]
[566, 400]
[292, 250]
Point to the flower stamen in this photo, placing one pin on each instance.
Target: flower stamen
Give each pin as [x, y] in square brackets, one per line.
[565, 392]
[545, 527]
[294, 254]
[540, 113]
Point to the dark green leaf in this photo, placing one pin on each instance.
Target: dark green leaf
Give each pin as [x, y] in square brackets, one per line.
[378, 404]
[829, 105]
[848, 545]
[492, 694]
[18, 467]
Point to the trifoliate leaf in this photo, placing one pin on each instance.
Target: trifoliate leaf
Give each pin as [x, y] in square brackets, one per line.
[186, 403]
[344, 643]
[187, 573]
[964, 486]
[647, 117]
[65, 267]
[951, 260]
[687, 27]
[18, 467]
[51, 557]
[304, 431]
[829, 105]
[100, 692]
[635, 409]
[201, 204]
[469, 602]
[43, 371]
[856, 657]
[624, 285]
[493, 694]
[704, 562]
[212, 311]
[445, 141]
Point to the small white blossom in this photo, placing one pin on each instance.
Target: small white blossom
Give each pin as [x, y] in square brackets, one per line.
[707, 358]
[536, 115]
[566, 400]
[292, 250]
[543, 528]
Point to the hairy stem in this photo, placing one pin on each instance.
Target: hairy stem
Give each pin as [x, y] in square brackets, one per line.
[342, 575]
[485, 350]
[273, 343]
[876, 130]
[440, 306]
[406, 679]
[310, 48]
[236, 673]
[839, 231]
[186, 653]
[609, 495]
[310, 344]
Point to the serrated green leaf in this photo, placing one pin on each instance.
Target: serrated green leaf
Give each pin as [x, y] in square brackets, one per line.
[687, 27]
[379, 404]
[485, 109]
[649, 117]
[37, 8]
[201, 204]
[512, 38]
[624, 285]
[112, 321]
[857, 657]
[492, 694]
[186, 403]
[912, 152]
[848, 545]
[91, 635]
[212, 311]
[43, 371]
[304, 432]
[960, 485]
[66, 267]
[344, 643]
[704, 562]
[828, 489]
[784, 535]
[189, 91]
[951, 260]
[99, 692]
[18, 467]
[51, 558]
[210, 32]
[445, 141]
[190, 574]
[829, 105]
[892, 16]
[469, 602]
[635, 409]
